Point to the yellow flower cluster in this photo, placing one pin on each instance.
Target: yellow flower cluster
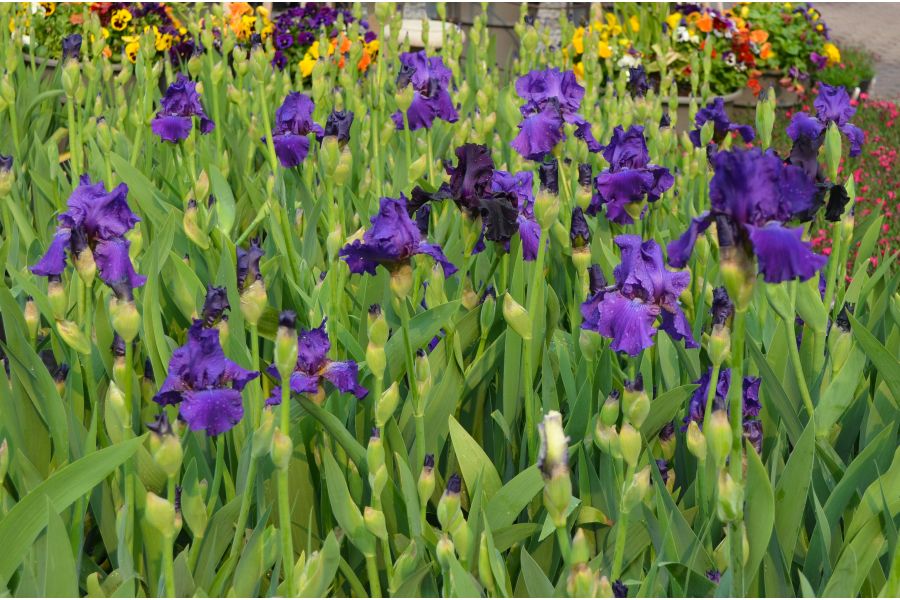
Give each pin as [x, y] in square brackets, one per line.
[242, 20]
[608, 35]
[311, 57]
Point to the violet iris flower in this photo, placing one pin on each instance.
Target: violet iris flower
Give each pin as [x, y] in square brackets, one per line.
[180, 103]
[314, 368]
[715, 112]
[644, 292]
[638, 84]
[248, 264]
[752, 195]
[293, 124]
[552, 98]
[751, 404]
[808, 132]
[391, 241]
[71, 47]
[430, 79]
[204, 383]
[629, 179]
[338, 125]
[96, 220]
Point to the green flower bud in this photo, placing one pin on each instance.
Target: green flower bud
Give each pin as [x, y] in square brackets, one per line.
[582, 582]
[378, 328]
[719, 434]
[630, 444]
[448, 510]
[517, 317]
[486, 317]
[546, 208]
[281, 450]
[344, 168]
[169, 455]
[765, 119]
[330, 153]
[484, 565]
[160, 514]
[425, 484]
[739, 277]
[333, 241]
[730, 498]
[637, 489]
[374, 520]
[73, 336]
[445, 552]
[125, 319]
[253, 301]
[696, 441]
[423, 373]
[832, 150]
[780, 301]
[387, 404]
[71, 77]
[719, 346]
[374, 452]
[417, 168]
[581, 551]
[607, 439]
[404, 98]
[402, 280]
[32, 318]
[405, 565]
[286, 344]
[115, 415]
[192, 227]
[262, 437]
[840, 344]
[604, 589]
[635, 402]
[86, 266]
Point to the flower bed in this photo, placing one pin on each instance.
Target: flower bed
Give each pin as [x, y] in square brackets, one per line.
[428, 327]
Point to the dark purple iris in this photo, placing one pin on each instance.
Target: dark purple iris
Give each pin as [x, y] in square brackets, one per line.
[338, 125]
[391, 241]
[644, 292]
[430, 79]
[204, 383]
[579, 231]
[6, 163]
[629, 179]
[293, 124]
[552, 97]
[314, 367]
[663, 467]
[715, 112]
[180, 103]
[71, 47]
[215, 305]
[638, 84]
[752, 195]
[808, 132]
[751, 404]
[248, 264]
[714, 575]
[722, 308]
[620, 590]
[96, 220]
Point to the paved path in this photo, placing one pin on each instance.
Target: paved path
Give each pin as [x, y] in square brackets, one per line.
[872, 26]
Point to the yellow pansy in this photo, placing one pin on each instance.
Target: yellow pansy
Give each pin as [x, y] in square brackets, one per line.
[673, 20]
[578, 40]
[307, 64]
[120, 19]
[613, 24]
[314, 49]
[832, 53]
[49, 8]
[131, 51]
[163, 40]
[745, 11]
[603, 50]
[635, 23]
[819, 27]
[579, 70]
[624, 42]
[104, 32]
[373, 46]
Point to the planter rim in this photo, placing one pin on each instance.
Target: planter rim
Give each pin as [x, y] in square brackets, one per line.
[729, 97]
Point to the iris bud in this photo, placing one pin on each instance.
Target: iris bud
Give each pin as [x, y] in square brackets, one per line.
[404, 98]
[604, 589]
[730, 497]
[125, 319]
[517, 317]
[637, 489]
[423, 373]
[738, 277]
[486, 317]
[160, 514]
[635, 402]
[607, 439]
[282, 449]
[485, 574]
[262, 437]
[169, 455]
[402, 281]
[719, 433]
[387, 404]
[609, 412]
[344, 168]
[630, 444]
[330, 153]
[253, 301]
[286, 344]
[73, 336]
[706, 133]
[445, 552]
[765, 119]
[719, 346]
[405, 565]
[448, 509]
[425, 485]
[334, 241]
[832, 150]
[86, 266]
[192, 228]
[546, 208]
[696, 441]
[71, 78]
[32, 318]
[589, 342]
[374, 520]
[374, 452]
[417, 168]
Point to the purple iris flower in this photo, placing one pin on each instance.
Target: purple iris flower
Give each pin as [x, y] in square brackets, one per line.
[630, 177]
[552, 98]
[751, 404]
[430, 79]
[96, 220]
[204, 383]
[248, 264]
[293, 124]
[314, 367]
[620, 590]
[181, 101]
[644, 292]
[391, 241]
[71, 47]
[6, 163]
[714, 575]
[832, 106]
[638, 84]
[515, 190]
[752, 195]
[338, 125]
[715, 112]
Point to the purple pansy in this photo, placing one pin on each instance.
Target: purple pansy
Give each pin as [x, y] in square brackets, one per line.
[715, 112]
[751, 404]
[552, 97]
[818, 60]
[180, 103]
[314, 368]
[204, 383]
[644, 293]
[96, 220]
[630, 177]
[430, 80]
[293, 124]
[752, 195]
[391, 241]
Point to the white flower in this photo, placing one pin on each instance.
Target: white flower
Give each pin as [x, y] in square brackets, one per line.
[628, 61]
[682, 34]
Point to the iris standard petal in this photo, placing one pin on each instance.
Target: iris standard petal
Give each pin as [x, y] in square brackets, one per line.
[782, 254]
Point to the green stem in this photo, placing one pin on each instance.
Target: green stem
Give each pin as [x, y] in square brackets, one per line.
[736, 404]
[217, 474]
[619, 556]
[246, 499]
[790, 328]
[257, 403]
[735, 558]
[833, 259]
[418, 408]
[284, 508]
[169, 566]
[533, 296]
[374, 581]
[565, 545]
[74, 150]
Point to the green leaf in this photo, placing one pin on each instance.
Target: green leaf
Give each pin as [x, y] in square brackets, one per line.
[791, 491]
[536, 581]
[224, 200]
[344, 508]
[664, 408]
[760, 515]
[473, 462]
[840, 393]
[513, 497]
[24, 522]
[60, 573]
[884, 360]
[422, 328]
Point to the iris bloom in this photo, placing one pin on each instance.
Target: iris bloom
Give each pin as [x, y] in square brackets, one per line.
[180, 103]
[96, 221]
[629, 179]
[293, 124]
[552, 98]
[391, 241]
[752, 195]
[314, 367]
[638, 84]
[204, 384]
[430, 79]
[808, 133]
[338, 125]
[751, 404]
[644, 293]
[715, 112]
